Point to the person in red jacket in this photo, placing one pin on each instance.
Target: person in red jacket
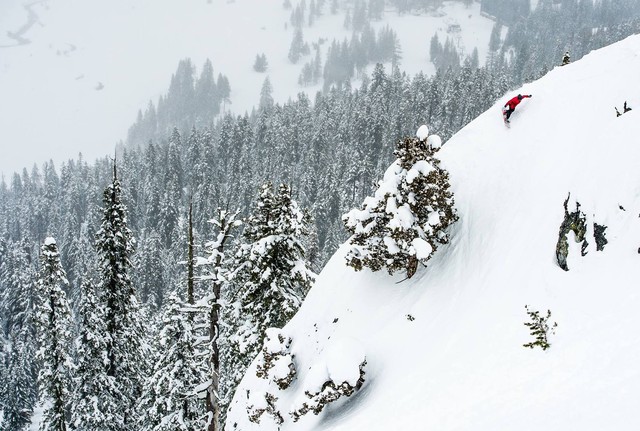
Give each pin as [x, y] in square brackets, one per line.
[510, 106]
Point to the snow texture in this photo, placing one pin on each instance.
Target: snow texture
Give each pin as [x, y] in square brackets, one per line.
[435, 142]
[423, 132]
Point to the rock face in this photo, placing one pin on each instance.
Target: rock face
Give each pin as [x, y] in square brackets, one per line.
[573, 222]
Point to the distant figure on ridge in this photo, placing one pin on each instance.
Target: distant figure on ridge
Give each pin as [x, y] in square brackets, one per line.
[566, 59]
[510, 106]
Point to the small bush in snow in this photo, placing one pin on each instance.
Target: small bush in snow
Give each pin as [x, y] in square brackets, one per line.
[406, 219]
[276, 362]
[276, 365]
[329, 393]
[539, 328]
[266, 405]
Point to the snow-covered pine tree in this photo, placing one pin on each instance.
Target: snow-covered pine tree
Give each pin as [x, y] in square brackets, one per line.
[20, 386]
[169, 401]
[53, 317]
[406, 219]
[92, 399]
[270, 275]
[125, 356]
[17, 311]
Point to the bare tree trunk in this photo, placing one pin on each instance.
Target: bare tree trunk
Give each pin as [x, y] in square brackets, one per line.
[226, 223]
[190, 261]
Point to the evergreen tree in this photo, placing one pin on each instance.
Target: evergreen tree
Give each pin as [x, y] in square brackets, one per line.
[207, 102]
[18, 305]
[406, 219]
[125, 354]
[20, 386]
[266, 98]
[94, 402]
[270, 276]
[54, 336]
[170, 401]
[261, 64]
[539, 328]
[224, 89]
[296, 48]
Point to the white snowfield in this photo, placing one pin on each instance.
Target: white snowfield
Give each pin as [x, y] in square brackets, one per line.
[444, 350]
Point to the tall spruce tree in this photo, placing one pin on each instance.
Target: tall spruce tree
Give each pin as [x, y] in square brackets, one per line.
[270, 275]
[125, 354]
[17, 310]
[93, 400]
[54, 335]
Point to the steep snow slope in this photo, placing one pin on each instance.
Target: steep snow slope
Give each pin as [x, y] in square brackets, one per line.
[460, 364]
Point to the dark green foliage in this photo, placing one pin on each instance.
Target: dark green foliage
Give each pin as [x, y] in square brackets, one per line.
[539, 328]
[407, 218]
[18, 299]
[54, 337]
[270, 273]
[329, 392]
[270, 276]
[125, 352]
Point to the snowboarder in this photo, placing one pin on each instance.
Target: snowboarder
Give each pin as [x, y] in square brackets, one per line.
[510, 106]
[566, 59]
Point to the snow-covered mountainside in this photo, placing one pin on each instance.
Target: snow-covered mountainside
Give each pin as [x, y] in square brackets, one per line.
[444, 350]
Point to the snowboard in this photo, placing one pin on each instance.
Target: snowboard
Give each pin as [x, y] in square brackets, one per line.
[504, 118]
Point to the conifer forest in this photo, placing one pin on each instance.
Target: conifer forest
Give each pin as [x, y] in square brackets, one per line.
[150, 277]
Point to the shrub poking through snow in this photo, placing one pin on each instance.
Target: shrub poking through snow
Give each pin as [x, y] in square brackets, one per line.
[539, 328]
[276, 362]
[406, 219]
[600, 236]
[265, 405]
[328, 393]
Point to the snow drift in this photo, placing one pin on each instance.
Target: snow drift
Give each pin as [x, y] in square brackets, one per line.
[444, 350]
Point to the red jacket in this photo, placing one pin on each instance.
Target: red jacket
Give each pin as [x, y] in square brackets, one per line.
[515, 101]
